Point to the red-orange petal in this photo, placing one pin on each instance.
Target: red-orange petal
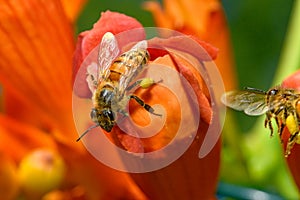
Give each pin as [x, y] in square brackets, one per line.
[292, 81]
[36, 63]
[9, 183]
[186, 44]
[17, 138]
[188, 177]
[293, 160]
[204, 19]
[98, 180]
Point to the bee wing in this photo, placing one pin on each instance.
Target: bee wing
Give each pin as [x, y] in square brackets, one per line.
[251, 102]
[108, 51]
[140, 45]
[129, 75]
[257, 108]
[91, 78]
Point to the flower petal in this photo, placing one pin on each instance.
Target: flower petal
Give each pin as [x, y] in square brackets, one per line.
[73, 8]
[185, 44]
[35, 66]
[17, 138]
[293, 160]
[204, 19]
[9, 185]
[98, 180]
[180, 14]
[292, 81]
[188, 177]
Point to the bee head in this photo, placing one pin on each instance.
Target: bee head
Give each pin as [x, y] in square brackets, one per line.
[105, 118]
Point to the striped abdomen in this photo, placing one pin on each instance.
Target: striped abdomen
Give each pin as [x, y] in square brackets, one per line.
[129, 64]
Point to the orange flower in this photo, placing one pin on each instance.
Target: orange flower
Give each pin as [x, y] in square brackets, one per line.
[204, 19]
[36, 47]
[293, 159]
[188, 177]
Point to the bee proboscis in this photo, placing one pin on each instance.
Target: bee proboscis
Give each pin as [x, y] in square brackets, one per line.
[277, 103]
[110, 81]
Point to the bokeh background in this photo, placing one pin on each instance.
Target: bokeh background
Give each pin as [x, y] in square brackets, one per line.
[258, 33]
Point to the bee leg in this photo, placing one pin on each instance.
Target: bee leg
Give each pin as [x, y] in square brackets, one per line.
[282, 123]
[123, 112]
[144, 105]
[280, 126]
[280, 131]
[143, 83]
[290, 144]
[135, 84]
[268, 123]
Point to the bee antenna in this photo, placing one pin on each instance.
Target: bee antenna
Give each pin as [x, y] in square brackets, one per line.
[85, 132]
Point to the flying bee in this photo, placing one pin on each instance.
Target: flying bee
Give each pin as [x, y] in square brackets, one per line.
[109, 81]
[277, 103]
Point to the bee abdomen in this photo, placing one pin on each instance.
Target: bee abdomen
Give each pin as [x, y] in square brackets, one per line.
[126, 62]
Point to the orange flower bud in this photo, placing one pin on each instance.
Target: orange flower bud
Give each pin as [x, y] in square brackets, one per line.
[41, 171]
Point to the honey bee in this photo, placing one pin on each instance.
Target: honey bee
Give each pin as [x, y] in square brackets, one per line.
[277, 103]
[109, 81]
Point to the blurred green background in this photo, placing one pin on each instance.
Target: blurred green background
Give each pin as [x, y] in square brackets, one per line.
[258, 30]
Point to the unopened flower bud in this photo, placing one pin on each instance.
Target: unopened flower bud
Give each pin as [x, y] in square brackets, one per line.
[41, 171]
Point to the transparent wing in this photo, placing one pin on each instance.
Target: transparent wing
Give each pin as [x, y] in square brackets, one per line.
[91, 77]
[140, 45]
[130, 74]
[252, 102]
[108, 51]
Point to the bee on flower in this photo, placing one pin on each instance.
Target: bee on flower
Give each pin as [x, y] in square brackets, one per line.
[277, 103]
[110, 81]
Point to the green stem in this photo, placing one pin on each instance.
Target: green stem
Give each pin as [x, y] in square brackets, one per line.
[290, 57]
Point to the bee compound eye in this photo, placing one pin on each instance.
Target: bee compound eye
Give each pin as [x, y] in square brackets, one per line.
[273, 91]
[93, 114]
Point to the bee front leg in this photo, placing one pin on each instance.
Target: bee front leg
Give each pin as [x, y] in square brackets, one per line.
[281, 123]
[144, 105]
